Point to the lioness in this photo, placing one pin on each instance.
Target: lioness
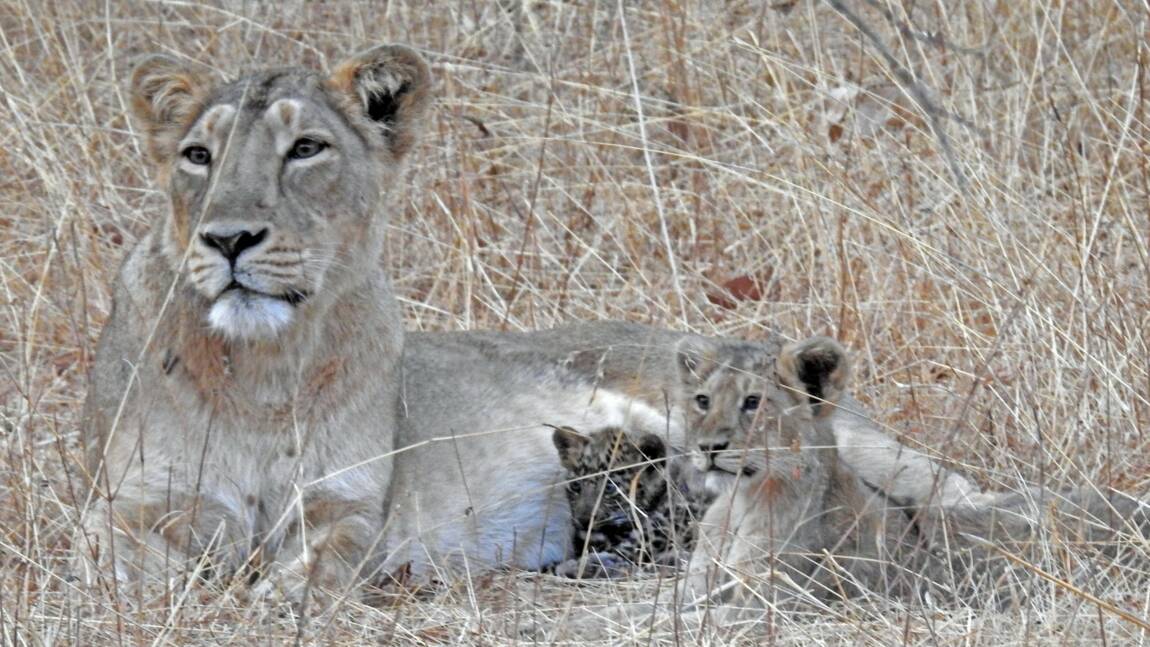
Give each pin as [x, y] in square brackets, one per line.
[244, 390]
[245, 395]
[244, 399]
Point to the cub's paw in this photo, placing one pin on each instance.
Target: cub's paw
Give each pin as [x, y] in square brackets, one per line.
[596, 566]
[672, 559]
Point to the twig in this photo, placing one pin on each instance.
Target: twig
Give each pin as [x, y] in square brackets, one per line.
[655, 193]
[914, 90]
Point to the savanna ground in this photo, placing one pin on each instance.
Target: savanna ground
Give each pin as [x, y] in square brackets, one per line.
[959, 191]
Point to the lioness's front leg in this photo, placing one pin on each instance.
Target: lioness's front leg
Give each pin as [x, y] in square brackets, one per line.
[327, 554]
[153, 538]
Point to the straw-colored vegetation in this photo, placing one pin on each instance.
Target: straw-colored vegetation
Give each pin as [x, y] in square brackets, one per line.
[959, 191]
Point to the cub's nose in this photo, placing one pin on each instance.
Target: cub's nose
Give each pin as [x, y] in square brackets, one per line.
[231, 245]
[710, 448]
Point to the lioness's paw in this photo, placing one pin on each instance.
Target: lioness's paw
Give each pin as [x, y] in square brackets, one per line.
[101, 557]
[306, 585]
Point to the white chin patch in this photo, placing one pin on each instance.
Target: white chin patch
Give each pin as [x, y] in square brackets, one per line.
[244, 315]
[719, 483]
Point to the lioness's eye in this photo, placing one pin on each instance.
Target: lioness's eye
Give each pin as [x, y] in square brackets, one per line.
[703, 401]
[198, 155]
[305, 148]
[751, 403]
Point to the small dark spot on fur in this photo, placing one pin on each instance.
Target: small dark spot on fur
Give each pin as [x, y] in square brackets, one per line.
[290, 452]
[170, 362]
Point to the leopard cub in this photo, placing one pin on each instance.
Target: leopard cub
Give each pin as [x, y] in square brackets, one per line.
[631, 504]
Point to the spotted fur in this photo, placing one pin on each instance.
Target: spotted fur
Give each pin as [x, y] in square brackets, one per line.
[631, 505]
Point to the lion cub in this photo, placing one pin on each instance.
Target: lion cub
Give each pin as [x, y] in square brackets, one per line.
[796, 521]
[631, 503]
[791, 514]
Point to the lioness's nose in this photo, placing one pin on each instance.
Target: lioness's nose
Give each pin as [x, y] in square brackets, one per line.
[233, 244]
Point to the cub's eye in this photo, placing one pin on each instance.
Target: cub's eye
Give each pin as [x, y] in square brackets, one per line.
[305, 148]
[198, 155]
[703, 401]
[751, 402]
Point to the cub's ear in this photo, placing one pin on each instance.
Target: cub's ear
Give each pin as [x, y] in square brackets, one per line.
[570, 444]
[652, 447]
[818, 367]
[391, 86]
[694, 358]
[167, 93]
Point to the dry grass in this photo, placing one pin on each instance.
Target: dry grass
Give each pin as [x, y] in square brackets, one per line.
[963, 199]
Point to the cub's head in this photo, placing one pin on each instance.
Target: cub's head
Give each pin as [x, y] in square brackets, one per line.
[743, 401]
[614, 479]
[278, 180]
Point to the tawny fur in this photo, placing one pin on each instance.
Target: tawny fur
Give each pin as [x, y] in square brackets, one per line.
[478, 483]
[212, 448]
[792, 518]
[640, 361]
[798, 522]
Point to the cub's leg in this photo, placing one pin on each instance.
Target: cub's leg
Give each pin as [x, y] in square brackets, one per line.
[596, 565]
[763, 538]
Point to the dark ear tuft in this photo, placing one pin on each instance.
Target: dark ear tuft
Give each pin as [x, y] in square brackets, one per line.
[167, 93]
[570, 444]
[694, 357]
[652, 447]
[382, 106]
[818, 367]
[391, 85]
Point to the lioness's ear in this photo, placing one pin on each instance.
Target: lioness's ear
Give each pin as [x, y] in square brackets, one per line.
[392, 86]
[167, 93]
[570, 444]
[818, 367]
[693, 357]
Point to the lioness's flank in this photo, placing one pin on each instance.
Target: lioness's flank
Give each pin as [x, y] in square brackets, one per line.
[244, 391]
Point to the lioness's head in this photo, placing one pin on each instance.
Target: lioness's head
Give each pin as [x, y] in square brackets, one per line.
[277, 179]
[743, 401]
